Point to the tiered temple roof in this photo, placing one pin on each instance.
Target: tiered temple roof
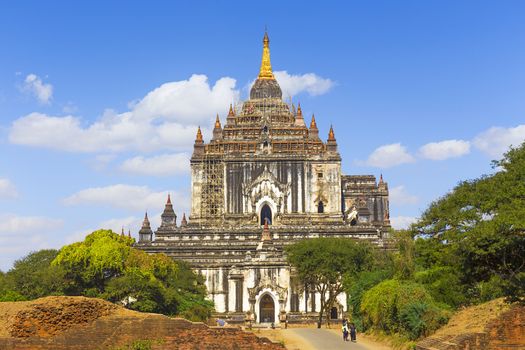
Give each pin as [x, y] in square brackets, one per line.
[265, 125]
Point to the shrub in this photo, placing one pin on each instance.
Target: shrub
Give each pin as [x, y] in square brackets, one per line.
[404, 307]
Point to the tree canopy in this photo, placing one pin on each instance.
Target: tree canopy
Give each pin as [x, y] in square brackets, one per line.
[478, 230]
[105, 265]
[321, 263]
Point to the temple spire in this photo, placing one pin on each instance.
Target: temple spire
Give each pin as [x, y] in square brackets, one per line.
[168, 201]
[266, 66]
[218, 121]
[199, 139]
[331, 135]
[313, 124]
[230, 112]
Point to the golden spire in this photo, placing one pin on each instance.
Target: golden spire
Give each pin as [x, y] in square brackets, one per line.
[230, 112]
[217, 122]
[313, 124]
[331, 135]
[266, 66]
[198, 139]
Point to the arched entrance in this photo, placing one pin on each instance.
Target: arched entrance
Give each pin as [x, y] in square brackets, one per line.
[266, 309]
[266, 213]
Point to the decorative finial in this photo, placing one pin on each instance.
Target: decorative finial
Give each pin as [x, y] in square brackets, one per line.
[129, 233]
[331, 135]
[122, 232]
[198, 139]
[381, 181]
[169, 199]
[183, 222]
[217, 122]
[313, 124]
[230, 112]
[266, 66]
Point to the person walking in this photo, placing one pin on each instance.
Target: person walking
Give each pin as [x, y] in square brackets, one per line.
[345, 330]
[352, 332]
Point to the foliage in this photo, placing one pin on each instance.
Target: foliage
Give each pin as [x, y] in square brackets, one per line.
[356, 286]
[444, 285]
[395, 306]
[321, 263]
[479, 229]
[105, 265]
[34, 277]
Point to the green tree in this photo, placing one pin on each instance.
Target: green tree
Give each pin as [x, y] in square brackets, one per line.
[321, 263]
[106, 265]
[479, 229]
[33, 276]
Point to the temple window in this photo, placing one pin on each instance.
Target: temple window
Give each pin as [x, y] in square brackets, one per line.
[320, 207]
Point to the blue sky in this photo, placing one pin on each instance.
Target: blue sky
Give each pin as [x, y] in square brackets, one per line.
[99, 101]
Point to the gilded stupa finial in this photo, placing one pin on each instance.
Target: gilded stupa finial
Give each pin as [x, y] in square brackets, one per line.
[231, 113]
[266, 66]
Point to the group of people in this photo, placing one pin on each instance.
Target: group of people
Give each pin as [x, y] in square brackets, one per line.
[348, 329]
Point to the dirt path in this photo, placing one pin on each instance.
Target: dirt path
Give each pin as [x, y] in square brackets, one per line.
[318, 339]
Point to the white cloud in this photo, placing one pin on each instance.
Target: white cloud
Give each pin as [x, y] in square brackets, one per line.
[445, 149]
[388, 156]
[399, 196]
[166, 118]
[21, 234]
[43, 92]
[402, 222]
[161, 165]
[134, 198]
[497, 140]
[292, 85]
[7, 189]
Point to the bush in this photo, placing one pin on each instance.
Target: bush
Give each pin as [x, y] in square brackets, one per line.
[356, 287]
[404, 307]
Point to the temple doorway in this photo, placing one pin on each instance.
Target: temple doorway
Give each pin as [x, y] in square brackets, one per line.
[334, 313]
[266, 213]
[267, 309]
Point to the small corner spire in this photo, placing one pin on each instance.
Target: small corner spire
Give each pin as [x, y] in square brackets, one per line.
[331, 135]
[169, 199]
[313, 124]
[122, 232]
[299, 111]
[231, 113]
[218, 122]
[198, 139]
[129, 233]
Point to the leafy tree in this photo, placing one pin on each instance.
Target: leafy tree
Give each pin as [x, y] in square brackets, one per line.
[34, 277]
[479, 228]
[105, 265]
[322, 262]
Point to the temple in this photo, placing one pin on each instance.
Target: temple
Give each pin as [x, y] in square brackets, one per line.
[266, 180]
